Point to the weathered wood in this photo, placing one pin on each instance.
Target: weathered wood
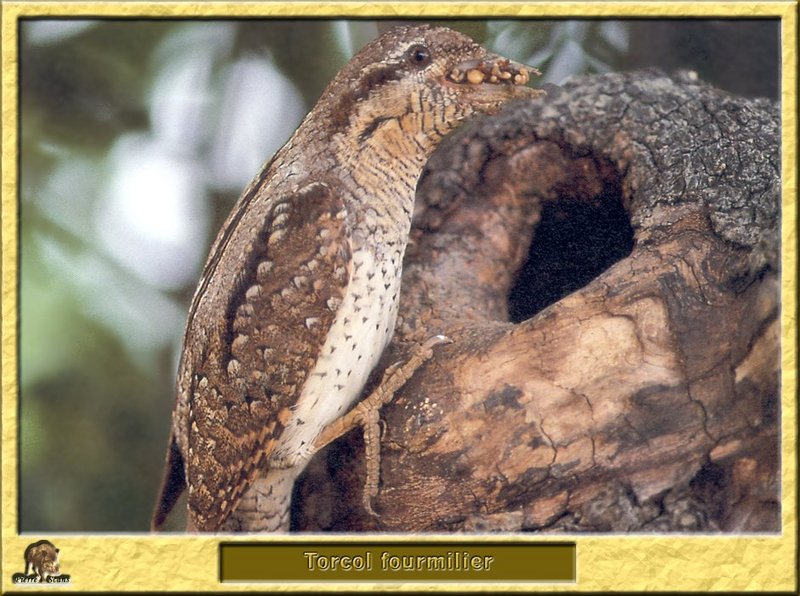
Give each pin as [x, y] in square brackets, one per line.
[645, 400]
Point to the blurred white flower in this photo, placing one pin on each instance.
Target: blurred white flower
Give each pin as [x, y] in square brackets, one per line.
[570, 59]
[155, 217]
[182, 95]
[179, 102]
[617, 34]
[141, 316]
[259, 109]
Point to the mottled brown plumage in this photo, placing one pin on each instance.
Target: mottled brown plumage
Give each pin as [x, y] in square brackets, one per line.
[299, 295]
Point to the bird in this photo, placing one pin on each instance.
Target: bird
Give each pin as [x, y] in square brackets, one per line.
[299, 295]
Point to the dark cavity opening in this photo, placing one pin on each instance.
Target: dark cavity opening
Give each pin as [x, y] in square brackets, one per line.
[574, 242]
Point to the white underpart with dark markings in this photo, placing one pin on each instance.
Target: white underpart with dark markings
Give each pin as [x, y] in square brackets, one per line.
[360, 332]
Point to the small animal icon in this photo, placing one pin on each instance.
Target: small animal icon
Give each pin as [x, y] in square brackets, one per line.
[41, 559]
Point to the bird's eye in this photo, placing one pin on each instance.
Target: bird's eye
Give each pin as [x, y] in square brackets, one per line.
[418, 56]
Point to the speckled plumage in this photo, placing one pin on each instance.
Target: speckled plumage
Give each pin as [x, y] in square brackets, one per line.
[299, 295]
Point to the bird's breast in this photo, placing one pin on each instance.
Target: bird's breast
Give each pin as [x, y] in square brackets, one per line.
[363, 326]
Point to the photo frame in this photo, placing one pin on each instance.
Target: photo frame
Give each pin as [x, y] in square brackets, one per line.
[125, 561]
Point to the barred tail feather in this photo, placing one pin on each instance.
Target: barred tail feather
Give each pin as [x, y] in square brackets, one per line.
[266, 505]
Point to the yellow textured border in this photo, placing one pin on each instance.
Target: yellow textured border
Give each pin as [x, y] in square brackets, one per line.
[186, 563]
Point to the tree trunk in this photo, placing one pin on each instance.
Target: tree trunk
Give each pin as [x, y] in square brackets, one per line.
[606, 261]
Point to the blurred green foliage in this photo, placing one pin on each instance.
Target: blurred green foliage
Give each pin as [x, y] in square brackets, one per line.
[136, 137]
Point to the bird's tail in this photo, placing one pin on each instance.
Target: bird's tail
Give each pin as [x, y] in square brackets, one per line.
[266, 505]
[172, 485]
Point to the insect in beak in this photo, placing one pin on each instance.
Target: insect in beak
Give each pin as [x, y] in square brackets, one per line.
[493, 70]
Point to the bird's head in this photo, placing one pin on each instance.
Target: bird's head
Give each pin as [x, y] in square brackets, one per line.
[423, 81]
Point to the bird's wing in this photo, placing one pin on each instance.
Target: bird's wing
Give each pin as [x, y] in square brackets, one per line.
[278, 316]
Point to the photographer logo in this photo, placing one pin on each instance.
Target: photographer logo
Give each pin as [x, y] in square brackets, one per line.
[41, 565]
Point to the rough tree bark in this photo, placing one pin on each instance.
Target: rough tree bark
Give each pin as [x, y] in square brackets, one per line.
[620, 375]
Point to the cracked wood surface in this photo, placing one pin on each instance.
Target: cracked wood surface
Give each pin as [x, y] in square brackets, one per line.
[647, 400]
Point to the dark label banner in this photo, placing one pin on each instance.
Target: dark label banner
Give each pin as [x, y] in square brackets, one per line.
[398, 562]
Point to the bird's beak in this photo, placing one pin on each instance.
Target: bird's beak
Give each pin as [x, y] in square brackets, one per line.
[491, 79]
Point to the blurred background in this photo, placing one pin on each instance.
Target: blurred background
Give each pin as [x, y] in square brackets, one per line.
[136, 139]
